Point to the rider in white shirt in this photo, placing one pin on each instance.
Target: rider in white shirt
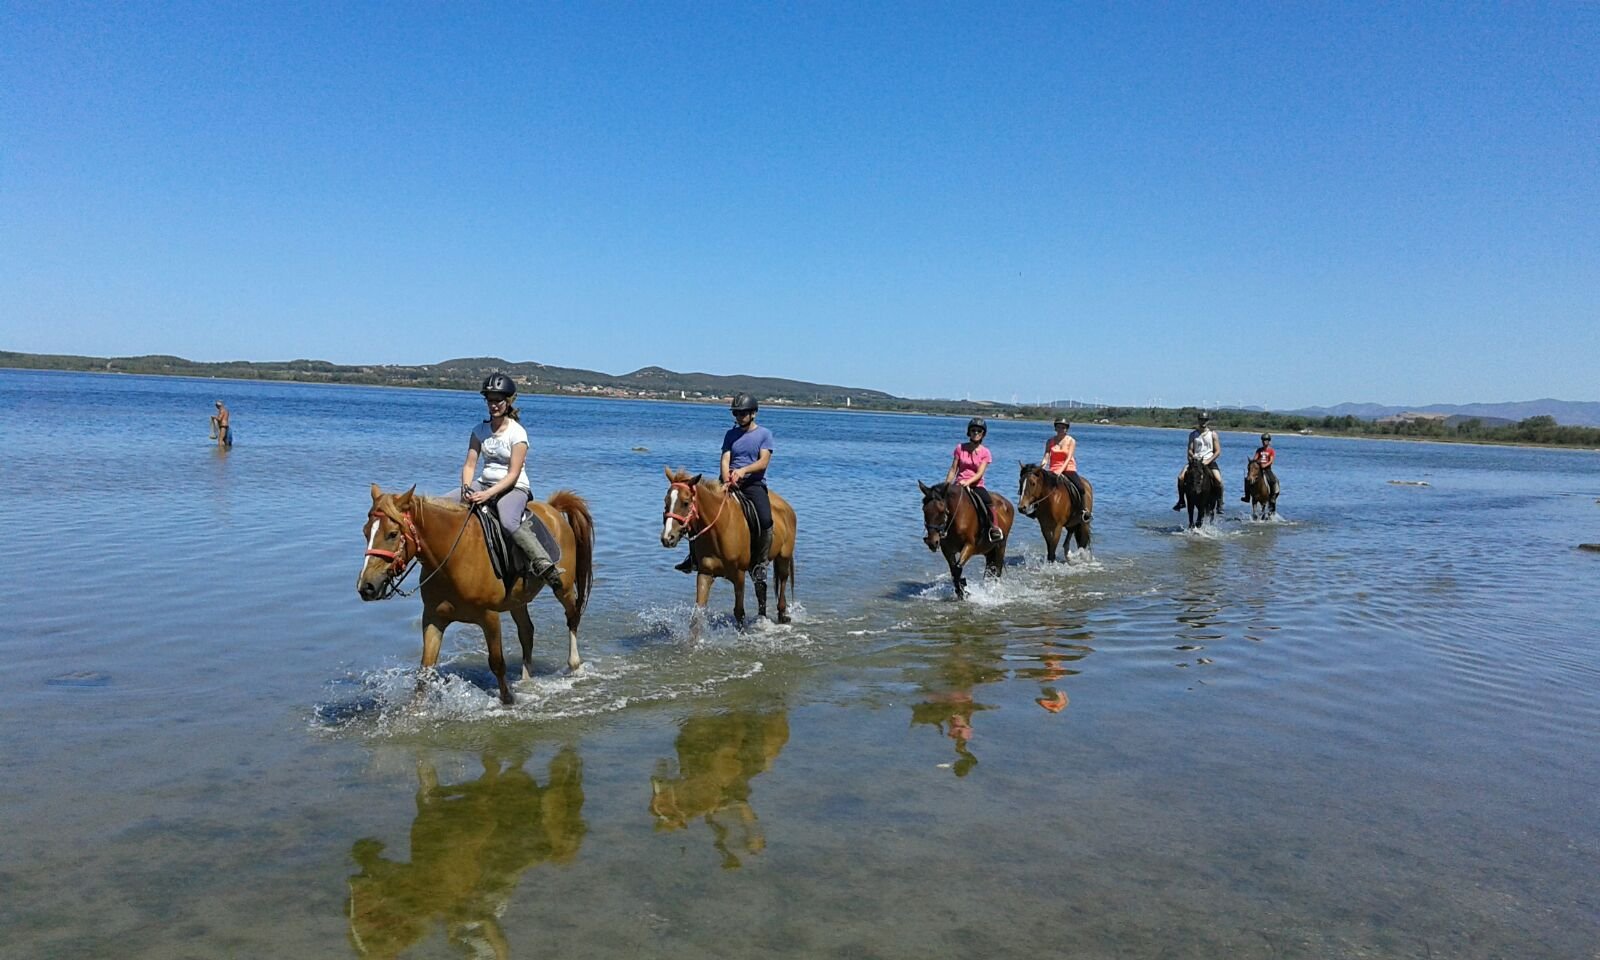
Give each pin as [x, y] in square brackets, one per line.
[1204, 446]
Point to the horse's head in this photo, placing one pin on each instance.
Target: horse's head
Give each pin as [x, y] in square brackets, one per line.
[1194, 479]
[680, 506]
[1252, 472]
[1030, 486]
[392, 542]
[935, 512]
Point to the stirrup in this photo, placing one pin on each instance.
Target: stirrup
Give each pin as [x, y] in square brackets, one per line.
[995, 536]
[551, 575]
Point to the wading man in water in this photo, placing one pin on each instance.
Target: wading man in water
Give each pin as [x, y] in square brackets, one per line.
[746, 452]
[220, 430]
[1204, 446]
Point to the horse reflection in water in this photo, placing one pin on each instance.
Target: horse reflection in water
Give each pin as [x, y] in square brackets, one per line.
[717, 757]
[948, 688]
[470, 843]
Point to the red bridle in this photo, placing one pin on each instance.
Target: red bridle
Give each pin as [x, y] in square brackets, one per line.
[408, 535]
[693, 511]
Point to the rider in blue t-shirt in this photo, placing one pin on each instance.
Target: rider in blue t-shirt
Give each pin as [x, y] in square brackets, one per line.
[746, 452]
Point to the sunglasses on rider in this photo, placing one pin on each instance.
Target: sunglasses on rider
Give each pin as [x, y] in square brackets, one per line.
[494, 399]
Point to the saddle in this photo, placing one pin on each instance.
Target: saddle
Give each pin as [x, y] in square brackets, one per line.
[752, 519]
[505, 557]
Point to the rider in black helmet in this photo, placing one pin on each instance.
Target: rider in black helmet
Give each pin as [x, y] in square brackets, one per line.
[1265, 456]
[967, 467]
[1204, 446]
[498, 450]
[746, 452]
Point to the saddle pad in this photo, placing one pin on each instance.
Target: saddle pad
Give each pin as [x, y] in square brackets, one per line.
[505, 557]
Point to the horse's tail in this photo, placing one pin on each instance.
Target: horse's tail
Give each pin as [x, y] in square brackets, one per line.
[577, 513]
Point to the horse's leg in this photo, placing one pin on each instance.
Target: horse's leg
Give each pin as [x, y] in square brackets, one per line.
[569, 602]
[956, 562]
[994, 562]
[432, 638]
[702, 596]
[497, 655]
[738, 597]
[1052, 538]
[783, 570]
[525, 637]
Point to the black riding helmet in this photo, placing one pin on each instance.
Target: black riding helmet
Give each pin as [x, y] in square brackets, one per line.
[1204, 417]
[1266, 438]
[977, 423]
[498, 382]
[1062, 422]
[743, 403]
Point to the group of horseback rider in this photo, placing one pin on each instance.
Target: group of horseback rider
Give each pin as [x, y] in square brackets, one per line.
[1205, 449]
[495, 470]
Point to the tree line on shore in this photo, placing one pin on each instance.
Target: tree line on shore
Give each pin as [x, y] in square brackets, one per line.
[466, 374]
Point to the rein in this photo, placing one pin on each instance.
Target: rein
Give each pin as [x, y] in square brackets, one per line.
[694, 511]
[400, 569]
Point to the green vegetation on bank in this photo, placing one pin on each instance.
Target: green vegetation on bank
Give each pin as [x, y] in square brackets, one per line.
[656, 383]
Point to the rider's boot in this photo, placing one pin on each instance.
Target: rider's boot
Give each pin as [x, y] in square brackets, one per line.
[758, 570]
[539, 564]
[687, 566]
[995, 534]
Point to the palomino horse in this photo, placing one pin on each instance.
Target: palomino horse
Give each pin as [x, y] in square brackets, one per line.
[950, 523]
[1201, 493]
[458, 583]
[1263, 499]
[719, 539]
[470, 844]
[1051, 499]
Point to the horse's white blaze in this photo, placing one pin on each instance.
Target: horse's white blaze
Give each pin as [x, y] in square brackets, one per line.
[672, 507]
[371, 540]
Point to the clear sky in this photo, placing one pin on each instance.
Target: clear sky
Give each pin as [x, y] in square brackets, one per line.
[1275, 204]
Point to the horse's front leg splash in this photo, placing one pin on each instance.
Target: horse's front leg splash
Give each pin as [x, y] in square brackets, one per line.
[702, 596]
[525, 637]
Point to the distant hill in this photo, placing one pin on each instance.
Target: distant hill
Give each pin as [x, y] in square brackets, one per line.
[1572, 413]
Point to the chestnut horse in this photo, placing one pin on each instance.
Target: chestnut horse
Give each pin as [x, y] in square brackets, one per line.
[719, 539]
[1201, 493]
[1052, 500]
[1263, 499]
[458, 583]
[950, 523]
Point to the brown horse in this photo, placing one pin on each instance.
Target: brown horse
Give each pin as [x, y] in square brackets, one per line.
[719, 539]
[1201, 493]
[1052, 500]
[458, 583]
[950, 523]
[1263, 499]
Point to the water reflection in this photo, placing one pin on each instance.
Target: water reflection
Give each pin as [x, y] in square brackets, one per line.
[718, 755]
[948, 684]
[470, 843]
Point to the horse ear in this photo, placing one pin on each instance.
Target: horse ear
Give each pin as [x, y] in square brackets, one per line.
[409, 496]
[668, 471]
[695, 480]
[376, 493]
[924, 488]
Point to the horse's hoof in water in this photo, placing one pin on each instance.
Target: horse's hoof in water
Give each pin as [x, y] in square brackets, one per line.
[783, 618]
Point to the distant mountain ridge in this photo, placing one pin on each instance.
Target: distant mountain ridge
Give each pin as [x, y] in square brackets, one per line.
[1572, 413]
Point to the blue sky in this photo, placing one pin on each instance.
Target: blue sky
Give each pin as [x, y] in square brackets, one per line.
[1275, 204]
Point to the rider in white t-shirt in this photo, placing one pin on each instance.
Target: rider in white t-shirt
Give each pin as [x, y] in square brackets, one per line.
[500, 444]
[1206, 447]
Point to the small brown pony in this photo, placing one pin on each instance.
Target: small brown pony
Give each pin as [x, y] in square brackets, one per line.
[1051, 499]
[458, 583]
[1263, 499]
[719, 539]
[950, 523]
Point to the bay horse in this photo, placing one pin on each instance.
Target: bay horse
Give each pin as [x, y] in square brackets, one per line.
[1201, 493]
[1263, 499]
[950, 523]
[458, 583]
[719, 539]
[1052, 500]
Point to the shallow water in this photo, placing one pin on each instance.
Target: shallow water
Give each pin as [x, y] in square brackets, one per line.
[1365, 729]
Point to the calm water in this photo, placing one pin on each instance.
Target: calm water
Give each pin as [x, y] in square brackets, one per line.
[1367, 730]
